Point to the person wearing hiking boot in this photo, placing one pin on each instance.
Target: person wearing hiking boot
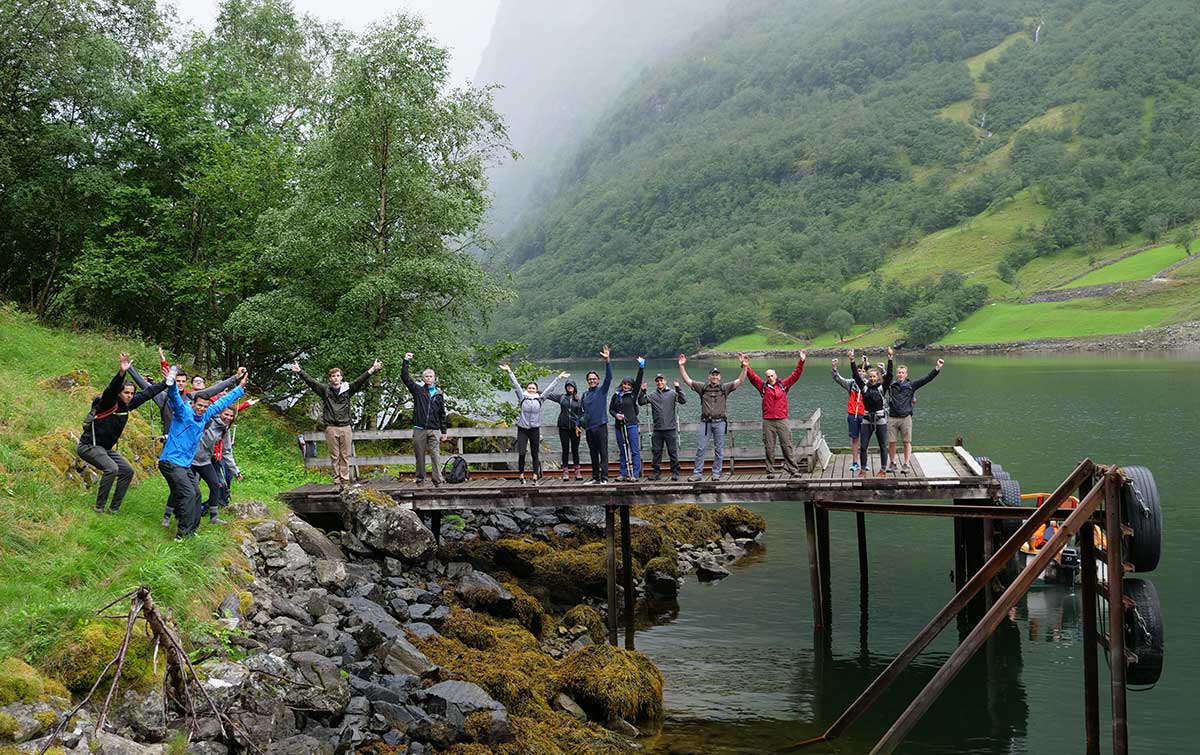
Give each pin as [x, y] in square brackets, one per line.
[662, 401]
[874, 387]
[102, 429]
[595, 419]
[713, 420]
[175, 461]
[856, 412]
[624, 409]
[529, 420]
[337, 414]
[902, 400]
[570, 413]
[774, 394]
[430, 421]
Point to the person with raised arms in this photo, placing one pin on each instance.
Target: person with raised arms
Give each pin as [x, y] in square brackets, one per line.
[624, 409]
[337, 414]
[102, 429]
[431, 421]
[775, 411]
[713, 420]
[856, 412]
[529, 420]
[595, 419]
[902, 401]
[663, 401]
[175, 461]
[570, 413]
[873, 387]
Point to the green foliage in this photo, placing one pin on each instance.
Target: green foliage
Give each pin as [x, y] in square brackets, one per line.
[839, 321]
[791, 148]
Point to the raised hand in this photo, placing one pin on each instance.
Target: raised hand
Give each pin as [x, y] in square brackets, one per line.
[850, 353]
[294, 366]
[891, 353]
[376, 366]
[644, 387]
[676, 385]
[834, 362]
[251, 402]
[161, 356]
[940, 363]
[408, 356]
[505, 368]
[241, 372]
[641, 361]
[743, 359]
[682, 360]
[245, 377]
[606, 352]
[125, 362]
[803, 354]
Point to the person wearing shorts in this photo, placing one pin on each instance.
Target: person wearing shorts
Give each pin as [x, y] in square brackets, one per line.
[901, 403]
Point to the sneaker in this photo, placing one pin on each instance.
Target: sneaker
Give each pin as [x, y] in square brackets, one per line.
[98, 509]
[522, 479]
[906, 469]
[566, 476]
[216, 520]
[862, 473]
[437, 483]
[578, 476]
[419, 481]
[113, 511]
[717, 478]
[536, 479]
[770, 475]
[695, 478]
[655, 477]
[166, 520]
[674, 478]
[854, 467]
[591, 482]
[883, 473]
[622, 478]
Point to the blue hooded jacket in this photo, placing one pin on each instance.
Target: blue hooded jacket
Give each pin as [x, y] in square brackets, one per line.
[595, 402]
[186, 427]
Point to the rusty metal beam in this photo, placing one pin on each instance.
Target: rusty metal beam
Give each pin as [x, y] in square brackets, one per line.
[961, 600]
[999, 611]
[1091, 674]
[957, 511]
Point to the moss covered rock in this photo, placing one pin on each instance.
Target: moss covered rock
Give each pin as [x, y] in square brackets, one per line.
[20, 683]
[83, 653]
[587, 617]
[685, 522]
[739, 521]
[527, 610]
[611, 683]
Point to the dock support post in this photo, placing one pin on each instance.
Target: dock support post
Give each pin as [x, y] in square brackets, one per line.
[627, 576]
[989, 547]
[435, 523]
[1091, 674]
[611, 554]
[814, 570]
[960, 556]
[860, 521]
[823, 562]
[1116, 612]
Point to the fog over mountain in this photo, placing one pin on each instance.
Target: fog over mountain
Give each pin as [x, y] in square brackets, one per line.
[562, 63]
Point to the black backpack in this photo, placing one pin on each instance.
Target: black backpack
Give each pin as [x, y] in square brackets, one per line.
[455, 470]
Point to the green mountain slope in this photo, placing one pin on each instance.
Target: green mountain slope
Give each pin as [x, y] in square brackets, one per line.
[799, 158]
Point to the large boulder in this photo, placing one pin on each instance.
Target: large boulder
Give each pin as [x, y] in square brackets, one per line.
[314, 541]
[399, 656]
[317, 685]
[482, 591]
[384, 525]
[142, 714]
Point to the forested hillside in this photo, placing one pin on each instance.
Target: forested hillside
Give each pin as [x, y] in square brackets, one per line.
[558, 66]
[802, 158]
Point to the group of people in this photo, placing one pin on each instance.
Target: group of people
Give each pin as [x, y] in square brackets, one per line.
[197, 439]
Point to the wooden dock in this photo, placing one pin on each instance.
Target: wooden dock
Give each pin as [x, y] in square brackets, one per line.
[938, 473]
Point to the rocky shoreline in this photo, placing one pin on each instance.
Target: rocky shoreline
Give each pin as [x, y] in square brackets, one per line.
[1181, 337]
[365, 640]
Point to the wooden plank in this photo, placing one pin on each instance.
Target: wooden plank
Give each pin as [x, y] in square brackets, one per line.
[936, 464]
[969, 461]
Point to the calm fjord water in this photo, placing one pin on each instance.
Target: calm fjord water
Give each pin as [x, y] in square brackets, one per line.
[743, 673]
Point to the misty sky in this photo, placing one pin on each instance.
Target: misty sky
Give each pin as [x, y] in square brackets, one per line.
[461, 25]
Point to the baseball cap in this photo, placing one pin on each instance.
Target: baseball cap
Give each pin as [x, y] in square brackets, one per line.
[715, 371]
[660, 375]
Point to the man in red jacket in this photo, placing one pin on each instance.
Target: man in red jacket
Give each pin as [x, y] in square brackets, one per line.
[775, 413]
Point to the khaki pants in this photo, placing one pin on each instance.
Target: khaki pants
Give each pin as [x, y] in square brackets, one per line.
[900, 429]
[340, 440]
[773, 430]
[428, 442]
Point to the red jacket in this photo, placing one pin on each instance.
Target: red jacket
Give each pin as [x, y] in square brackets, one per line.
[774, 397]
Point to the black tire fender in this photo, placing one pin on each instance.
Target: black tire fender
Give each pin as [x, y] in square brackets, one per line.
[1142, 510]
[1143, 632]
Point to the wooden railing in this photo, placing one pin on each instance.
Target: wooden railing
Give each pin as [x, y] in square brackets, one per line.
[743, 440]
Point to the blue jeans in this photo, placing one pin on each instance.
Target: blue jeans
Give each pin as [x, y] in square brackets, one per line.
[628, 446]
[717, 428]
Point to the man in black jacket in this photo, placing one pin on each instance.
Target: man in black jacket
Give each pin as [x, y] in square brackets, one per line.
[901, 403]
[338, 416]
[666, 425]
[102, 429]
[430, 422]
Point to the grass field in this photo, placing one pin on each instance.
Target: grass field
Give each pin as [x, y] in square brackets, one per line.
[59, 561]
[1140, 266]
[1002, 322]
[760, 340]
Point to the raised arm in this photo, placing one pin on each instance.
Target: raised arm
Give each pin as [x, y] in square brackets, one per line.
[887, 376]
[607, 377]
[406, 376]
[543, 395]
[219, 405]
[755, 380]
[316, 387]
[932, 374]
[837, 376]
[222, 386]
[679, 397]
[741, 375]
[178, 406]
[512, 378]
[358, 382]
[684, 374]
[137, 378]
[146, 394]
[641, 373]
[790, 380]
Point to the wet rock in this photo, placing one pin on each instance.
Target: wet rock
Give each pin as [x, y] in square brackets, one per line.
[567, 705]
[505, 523]
[421, 629]
[223, 681]
[563, 530]
[141, 713]
[399, 656]
[480, 590]
[280, 606]
[458, 569]
[301, 744]
[489, 533]
[381, 626]
[25, 719]
[389, 529]
[661, 583]
[331, 574]
[319, 685]
[314, 542]
[249, 510]
[230, 608]
[708, 570]
[623, 727]
[206, 748]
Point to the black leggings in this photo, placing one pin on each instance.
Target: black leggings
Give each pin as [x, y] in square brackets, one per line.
[216, 487]
[864, 440]
[532, 436]
[597, 440]
[570, 446]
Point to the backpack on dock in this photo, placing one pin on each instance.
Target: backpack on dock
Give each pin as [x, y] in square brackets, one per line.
[455, 470]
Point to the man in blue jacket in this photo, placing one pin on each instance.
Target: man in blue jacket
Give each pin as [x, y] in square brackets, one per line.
[175, 461]
[595, 419]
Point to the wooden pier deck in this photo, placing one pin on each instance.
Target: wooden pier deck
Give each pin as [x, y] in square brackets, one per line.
[938, 473]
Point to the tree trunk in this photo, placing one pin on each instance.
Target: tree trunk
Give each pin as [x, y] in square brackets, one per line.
[44, 297]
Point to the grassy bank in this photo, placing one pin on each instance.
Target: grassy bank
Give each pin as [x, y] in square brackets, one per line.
[59, 561]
